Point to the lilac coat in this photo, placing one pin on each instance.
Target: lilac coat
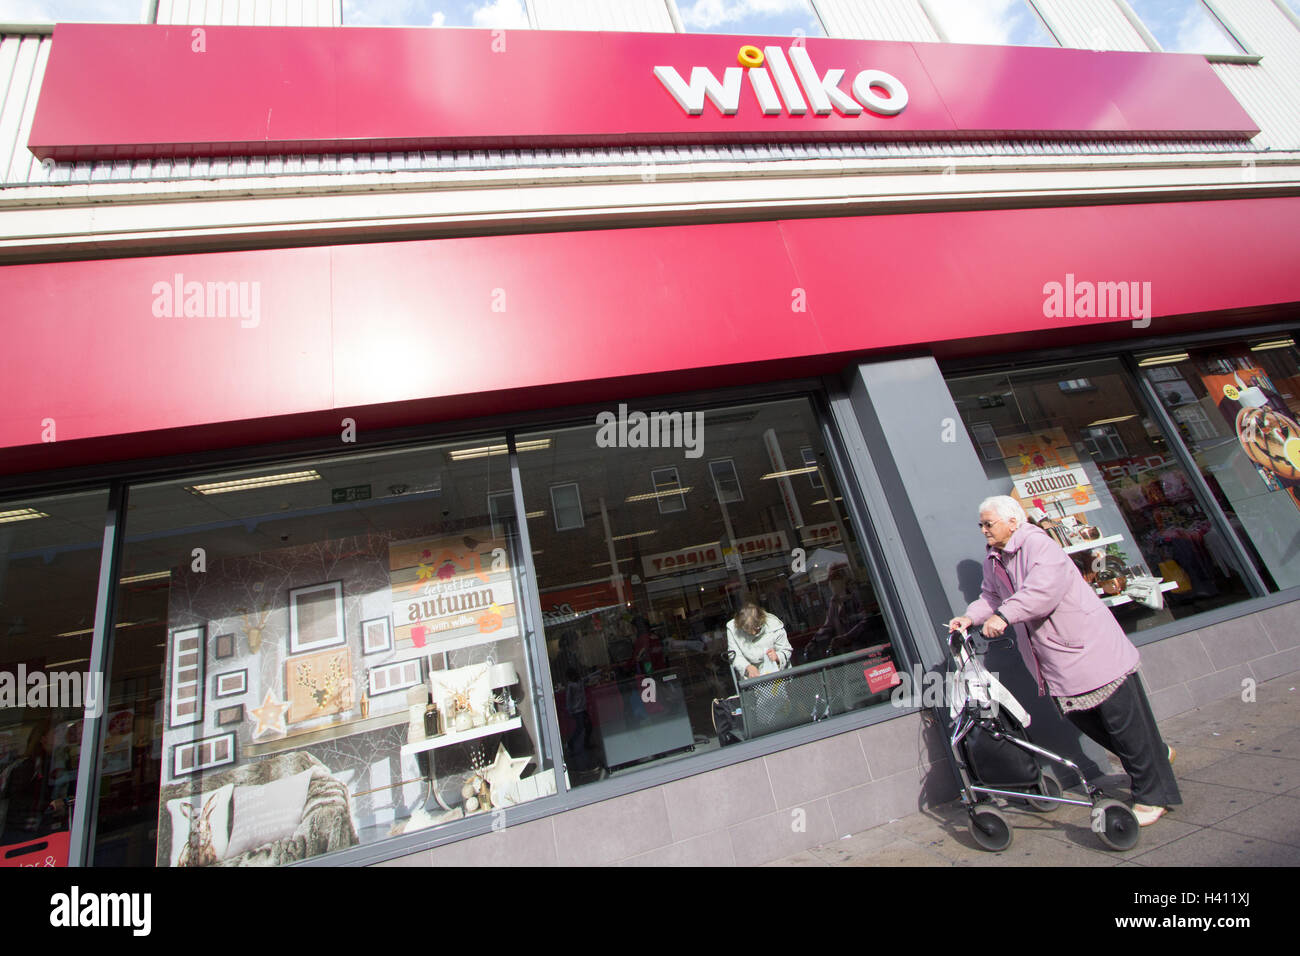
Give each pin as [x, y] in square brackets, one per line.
[1069, 639]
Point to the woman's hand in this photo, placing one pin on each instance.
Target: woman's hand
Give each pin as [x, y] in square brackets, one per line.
[994, 627]
[773, 655]
[751, 671]
[959, 624]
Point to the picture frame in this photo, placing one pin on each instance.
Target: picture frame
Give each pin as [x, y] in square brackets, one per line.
[224, 646]
[316, 617]
[390, 678]
[234, 714]
[230, 684]
[319, 684]
[376, 636]
[185, 672]
[189, 758]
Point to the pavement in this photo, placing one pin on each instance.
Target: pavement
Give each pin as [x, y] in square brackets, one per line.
[1238, 768]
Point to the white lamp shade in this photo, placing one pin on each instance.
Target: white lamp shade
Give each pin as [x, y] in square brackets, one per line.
[503, 675]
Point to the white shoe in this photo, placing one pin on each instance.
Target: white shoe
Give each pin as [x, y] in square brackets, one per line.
[1172, 754]
[1147, 815]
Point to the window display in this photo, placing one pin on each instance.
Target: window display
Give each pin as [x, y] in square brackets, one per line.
[639, 598]
[49, 573]
[345, 658]
[1238, 410]
[1073, 445]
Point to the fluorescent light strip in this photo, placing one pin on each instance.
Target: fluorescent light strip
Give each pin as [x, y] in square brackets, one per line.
[1109, 421]
[1273, 344]
[155, 576]
[79, 660]
[22, 514]
[91, 630]
[605, 564]
[788, 472]
[650, 496]
[535, 514]
[263, 481]
[486, 451]
[1162, 359]
[637, 534]
[826, 501]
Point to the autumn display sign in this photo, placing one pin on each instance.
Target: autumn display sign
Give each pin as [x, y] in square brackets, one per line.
[450, 592]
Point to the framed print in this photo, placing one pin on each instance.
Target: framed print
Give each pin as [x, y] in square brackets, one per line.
[203, 754]
[319, 684]
[376, 636]
[233, 714]
[316, 617]
[186, 700]
[393, 677]
[230, 684]
[224, 646]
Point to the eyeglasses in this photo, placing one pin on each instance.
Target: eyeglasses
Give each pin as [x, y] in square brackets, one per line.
[988, 524]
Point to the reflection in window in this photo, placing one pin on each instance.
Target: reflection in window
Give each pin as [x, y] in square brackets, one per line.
[341, 644]
[1003, 22]
[637, 604]
[484, 14]
[1100, 477]
[566, 501]
[1238, 407]
[668, 490]
[1184, 26]
[49, 573]
[783, 18]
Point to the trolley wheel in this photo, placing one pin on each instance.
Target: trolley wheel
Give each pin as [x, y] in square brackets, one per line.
[1049, 785]
[1115, 824]
[990, 828]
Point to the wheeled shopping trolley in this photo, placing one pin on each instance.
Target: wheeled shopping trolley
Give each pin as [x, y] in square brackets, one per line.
[995, 758]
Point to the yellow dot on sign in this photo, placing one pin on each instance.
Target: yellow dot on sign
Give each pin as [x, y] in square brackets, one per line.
[1291, 451]
[1231, 392]
[750, 56]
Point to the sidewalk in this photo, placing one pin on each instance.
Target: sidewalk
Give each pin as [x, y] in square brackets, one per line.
[1238, 767]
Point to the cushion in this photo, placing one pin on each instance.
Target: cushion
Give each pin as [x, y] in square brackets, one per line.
[212, 809]
[266, 813]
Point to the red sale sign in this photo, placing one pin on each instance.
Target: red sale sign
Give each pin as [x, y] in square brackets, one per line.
[881, 677]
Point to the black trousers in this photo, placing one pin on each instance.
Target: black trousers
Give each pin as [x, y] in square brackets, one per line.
[1124, 725]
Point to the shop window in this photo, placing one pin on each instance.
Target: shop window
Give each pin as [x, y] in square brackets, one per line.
[344, 658]
[483, 14]
[1184, 26]
[1096, 471]
[77, 11]
[783, 18]
[566, 502]
[49, 574]
[637, 604]
[1238, 409]
[726, 483]
[809, 456]
[1002, 22]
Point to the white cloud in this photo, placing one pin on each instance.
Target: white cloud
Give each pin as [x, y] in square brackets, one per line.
[64, 11]
[439, 19]
[706, 14]
[502, 13]
[983, 21]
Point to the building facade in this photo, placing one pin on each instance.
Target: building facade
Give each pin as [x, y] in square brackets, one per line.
[395, 419]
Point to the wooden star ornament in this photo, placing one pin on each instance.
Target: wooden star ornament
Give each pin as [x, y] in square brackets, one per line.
[503, 776]
[270, 716]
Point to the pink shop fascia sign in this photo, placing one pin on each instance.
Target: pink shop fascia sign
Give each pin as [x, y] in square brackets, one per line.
[121, 91]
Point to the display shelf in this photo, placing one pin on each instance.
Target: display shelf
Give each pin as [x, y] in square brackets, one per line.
[446, 740]
[336, 730]
[1091, 545]
[1118, 599]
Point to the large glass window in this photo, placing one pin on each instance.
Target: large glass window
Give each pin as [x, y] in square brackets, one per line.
[484, 14]
[769, 18]
[1074, 445]
[49, 574]
[638, 602]
[342, 651]
[1184, 26]
[1002, 22]
[1238, 408]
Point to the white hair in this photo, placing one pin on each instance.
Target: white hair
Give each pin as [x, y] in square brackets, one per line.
[1004, 506]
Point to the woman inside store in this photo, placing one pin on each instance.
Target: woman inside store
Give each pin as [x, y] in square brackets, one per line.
[1073, 646]
[756, 642]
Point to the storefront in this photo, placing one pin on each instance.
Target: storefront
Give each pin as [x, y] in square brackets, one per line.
[389, 546]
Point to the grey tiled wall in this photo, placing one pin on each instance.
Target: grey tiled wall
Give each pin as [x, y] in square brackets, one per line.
[749, 813]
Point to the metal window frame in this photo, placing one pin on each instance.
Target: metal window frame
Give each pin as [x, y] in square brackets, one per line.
[1247, 55]
[675, 15]
[942, 33]
[555, 509]
[717, 490]
[677, 480]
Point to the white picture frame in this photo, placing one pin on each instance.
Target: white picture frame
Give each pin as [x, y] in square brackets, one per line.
[316, 617]
[376, 636]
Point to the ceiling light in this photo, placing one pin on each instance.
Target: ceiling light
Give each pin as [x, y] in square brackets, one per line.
[637, 534]
[79, 660]
[136, 578]
[1162, 359]
[262, 481]
[535, 514]
[485, 451]
[1109, 421]
[650, 496]
[789, 471]
[22, 514]
[1272, 344]
[91, 630]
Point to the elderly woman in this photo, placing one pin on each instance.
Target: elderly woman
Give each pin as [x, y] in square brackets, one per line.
[1073, 646]
[756, 642]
